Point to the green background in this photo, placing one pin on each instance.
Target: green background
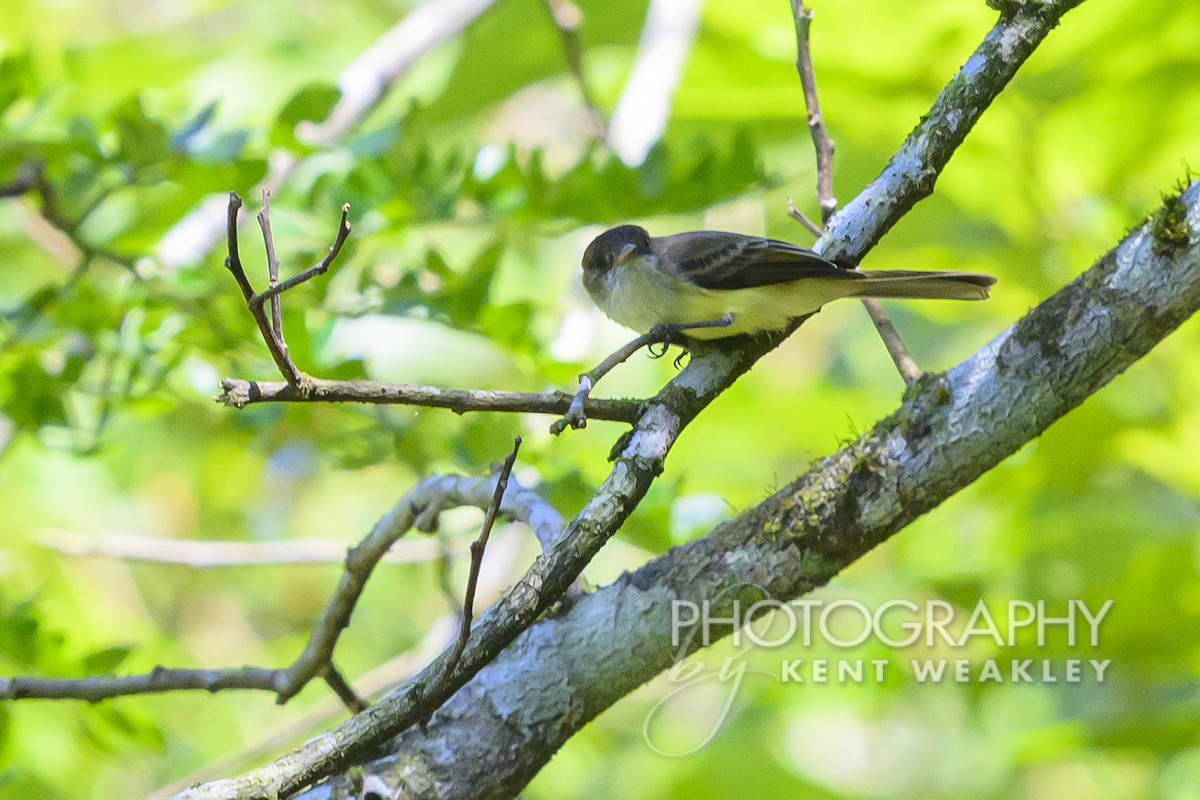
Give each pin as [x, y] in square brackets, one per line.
[473, 191]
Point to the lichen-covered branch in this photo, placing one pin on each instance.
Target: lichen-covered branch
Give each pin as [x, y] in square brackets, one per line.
[496, 733]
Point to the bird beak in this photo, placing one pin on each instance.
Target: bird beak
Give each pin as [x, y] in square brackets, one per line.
[624, 253]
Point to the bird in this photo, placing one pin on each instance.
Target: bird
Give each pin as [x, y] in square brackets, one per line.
[713, 284]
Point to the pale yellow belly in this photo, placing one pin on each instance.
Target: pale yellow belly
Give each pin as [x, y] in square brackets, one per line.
[641, 299]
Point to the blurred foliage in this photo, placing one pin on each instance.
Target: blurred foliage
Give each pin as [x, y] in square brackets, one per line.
[473, 190]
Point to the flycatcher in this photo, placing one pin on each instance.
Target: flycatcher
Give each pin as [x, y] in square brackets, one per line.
[724, 284]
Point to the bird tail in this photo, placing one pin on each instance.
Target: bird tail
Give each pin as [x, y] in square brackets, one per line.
[923, 285]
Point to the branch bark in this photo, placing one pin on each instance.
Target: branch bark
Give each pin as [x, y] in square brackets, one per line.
[639, 455]
[496, 733]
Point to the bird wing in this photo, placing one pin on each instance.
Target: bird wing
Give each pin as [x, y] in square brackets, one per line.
[727, 261]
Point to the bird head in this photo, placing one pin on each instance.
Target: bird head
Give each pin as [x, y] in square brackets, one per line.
[615, 247]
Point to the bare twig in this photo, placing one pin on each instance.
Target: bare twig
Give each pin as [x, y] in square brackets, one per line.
[477, 549]
[904, 362]
[797, 215]
[567, 19]
[576, 415]
[823, 145]
[240, 393]
[802, 16]
[321, 267]
[158, 679]
[666, 334]
[272, 330]
[264, 222]
[299, 387]
[342, 688]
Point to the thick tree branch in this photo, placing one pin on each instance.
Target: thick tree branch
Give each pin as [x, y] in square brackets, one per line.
[951, 429]
[639, 456]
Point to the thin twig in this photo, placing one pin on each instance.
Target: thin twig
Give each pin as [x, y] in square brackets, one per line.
[797, 215]
[823, 145]
[567, 19]
[233, 261]
[342, 688]
[299, 387]
[802, 16]
[320, 269]
[159, 679]
[577, 413]
[575, 416]
[264, 222]
[240, 393]
[477, 549]
[296, 379]
[904, 362]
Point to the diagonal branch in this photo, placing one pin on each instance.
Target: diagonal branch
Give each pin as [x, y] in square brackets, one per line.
[640, 455]
[951, 429]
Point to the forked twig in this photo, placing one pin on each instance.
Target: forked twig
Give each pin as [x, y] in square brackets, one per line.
[271, 328]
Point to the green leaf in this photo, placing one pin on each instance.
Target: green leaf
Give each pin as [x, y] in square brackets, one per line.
[311, 103]
[103, 662]
[144, 142]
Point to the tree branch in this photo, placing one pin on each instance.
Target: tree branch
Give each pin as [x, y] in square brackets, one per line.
[951, 429]
[420, 507]
[240, 393]
[639, 456]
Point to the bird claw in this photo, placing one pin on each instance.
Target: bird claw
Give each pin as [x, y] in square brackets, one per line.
[666, 333]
